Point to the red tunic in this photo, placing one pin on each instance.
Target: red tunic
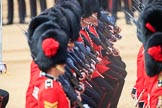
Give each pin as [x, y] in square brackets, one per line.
[47, 93]
[38, 95]
[34, 74]
[146, 83]
[140, 72]
[142, 79]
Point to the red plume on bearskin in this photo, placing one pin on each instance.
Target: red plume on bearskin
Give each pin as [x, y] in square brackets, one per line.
[50, 47]
[150, 27]
[155, 53]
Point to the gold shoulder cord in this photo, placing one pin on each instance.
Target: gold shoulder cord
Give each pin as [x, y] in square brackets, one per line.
[159, 104]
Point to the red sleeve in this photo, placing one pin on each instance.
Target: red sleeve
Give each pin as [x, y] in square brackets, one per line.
[140, 72]
[34, 74]
[35, 71]
[34, 67]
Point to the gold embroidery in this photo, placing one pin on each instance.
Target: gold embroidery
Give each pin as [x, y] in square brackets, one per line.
[50, 105]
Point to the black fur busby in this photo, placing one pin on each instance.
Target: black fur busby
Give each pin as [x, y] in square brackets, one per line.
[104, 4]
[58, 17]
[86, 8]
[149, 20]
[72, 12]
[95, 6]
[153, 54]
[48, 46]
[35, 22]
[67, 15]
[74, 25]
[74, 6]
[89, 7]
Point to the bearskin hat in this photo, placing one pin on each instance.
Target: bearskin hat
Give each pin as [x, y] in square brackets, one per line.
[74, 26]
[58, 17]
[149, 21]
[153, 54]
[74, 6]
[34, 23]
[103, 4]
[71, 8]
[87, 6]
[48, 46]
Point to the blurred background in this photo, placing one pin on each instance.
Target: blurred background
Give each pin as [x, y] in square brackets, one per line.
[16, 54]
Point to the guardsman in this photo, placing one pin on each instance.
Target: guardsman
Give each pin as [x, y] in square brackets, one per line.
[150, 36]
[46, 55]
[43, 22]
